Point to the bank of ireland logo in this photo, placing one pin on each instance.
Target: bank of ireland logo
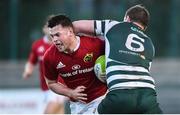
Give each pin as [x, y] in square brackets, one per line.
[88, 57]
[75, 67]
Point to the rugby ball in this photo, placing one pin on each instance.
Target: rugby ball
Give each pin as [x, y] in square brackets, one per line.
[99, 68]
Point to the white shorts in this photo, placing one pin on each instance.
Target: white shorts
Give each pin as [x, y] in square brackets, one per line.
[89, 108]
[50, 96]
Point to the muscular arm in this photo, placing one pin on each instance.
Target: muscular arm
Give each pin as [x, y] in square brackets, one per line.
[75, 94]
[84, 26]
[58, 87]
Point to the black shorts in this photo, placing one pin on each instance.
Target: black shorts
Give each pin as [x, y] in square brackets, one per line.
[129, 101]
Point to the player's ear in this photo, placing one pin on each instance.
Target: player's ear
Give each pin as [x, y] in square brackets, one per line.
[70, 32]
[127, 18]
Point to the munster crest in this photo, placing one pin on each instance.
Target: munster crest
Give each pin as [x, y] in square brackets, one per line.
[88, 57]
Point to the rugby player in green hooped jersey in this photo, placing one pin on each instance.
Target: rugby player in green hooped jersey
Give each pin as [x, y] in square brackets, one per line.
[129, 53]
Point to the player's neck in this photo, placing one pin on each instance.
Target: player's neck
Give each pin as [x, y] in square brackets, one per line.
[139, 25]
[74, 46]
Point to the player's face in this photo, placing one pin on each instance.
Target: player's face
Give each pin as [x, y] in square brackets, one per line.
[60, 37]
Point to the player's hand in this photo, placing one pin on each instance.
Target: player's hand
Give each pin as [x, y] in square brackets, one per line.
[28, 70]
[77, 94]
[26, 75]
[103, 76]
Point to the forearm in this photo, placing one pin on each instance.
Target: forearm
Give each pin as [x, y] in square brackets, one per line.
[84, 26]
[60, 89]
[75, 94]
[29, 67]
[28, 70]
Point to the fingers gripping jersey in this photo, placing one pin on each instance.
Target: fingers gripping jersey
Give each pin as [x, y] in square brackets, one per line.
[129, 53]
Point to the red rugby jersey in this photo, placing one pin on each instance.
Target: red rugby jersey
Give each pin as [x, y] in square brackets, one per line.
[77, 68]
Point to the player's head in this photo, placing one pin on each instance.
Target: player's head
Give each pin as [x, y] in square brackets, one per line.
[138, 14]
[61, 32]
[62, 20]
[45, 29]
[46, 33]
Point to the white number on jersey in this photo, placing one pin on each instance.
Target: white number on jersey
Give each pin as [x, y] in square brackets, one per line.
[130, 40]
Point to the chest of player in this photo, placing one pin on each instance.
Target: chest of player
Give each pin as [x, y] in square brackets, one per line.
[76, 64]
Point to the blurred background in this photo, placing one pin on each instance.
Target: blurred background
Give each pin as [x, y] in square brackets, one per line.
[21, 23]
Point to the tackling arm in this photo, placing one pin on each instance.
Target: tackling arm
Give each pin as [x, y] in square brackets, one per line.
[84, 26]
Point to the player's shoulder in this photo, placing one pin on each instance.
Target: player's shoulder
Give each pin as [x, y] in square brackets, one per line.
[40, 40]
[50, 52]
[90, 42]
[121, 26]
[127, 24]
[90, 38]
[37, 42]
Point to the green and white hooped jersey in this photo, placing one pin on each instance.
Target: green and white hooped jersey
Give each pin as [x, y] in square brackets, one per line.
[129, 53]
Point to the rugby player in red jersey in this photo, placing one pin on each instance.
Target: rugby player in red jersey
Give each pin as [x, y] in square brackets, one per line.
[72, 59]
[54, 102]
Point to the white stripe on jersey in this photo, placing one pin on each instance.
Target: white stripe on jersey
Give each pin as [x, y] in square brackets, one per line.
[129, 77]
[126, 68]
[108, 25]
[131, 85]
[98, 28]
[109, 60]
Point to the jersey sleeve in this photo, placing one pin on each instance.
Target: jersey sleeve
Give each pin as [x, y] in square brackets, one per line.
[48, 69]
[101, 27]
[33, 57]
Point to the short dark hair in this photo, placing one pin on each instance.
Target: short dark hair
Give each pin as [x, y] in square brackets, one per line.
[138, 13]
[62, 20]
